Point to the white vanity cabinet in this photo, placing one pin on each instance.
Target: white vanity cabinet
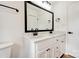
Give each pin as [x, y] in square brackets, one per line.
[52, 46]
[44, 48]
[60, 45]
[47, 53]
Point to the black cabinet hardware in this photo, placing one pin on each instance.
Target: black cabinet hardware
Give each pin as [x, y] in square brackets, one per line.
[48, 49]
[62, 41]
[57, 47]
[70, 32]
[9, 7]
[50, 32]
[35, 33]
[57, 40]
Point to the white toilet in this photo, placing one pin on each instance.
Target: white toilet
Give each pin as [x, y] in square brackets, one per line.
[5, 49]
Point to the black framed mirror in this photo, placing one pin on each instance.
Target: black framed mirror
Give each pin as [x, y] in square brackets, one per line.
[37, 19]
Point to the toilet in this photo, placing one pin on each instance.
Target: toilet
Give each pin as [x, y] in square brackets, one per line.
[5, 49]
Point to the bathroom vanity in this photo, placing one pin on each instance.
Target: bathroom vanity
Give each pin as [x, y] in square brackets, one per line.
[40, 45]
[50, 46]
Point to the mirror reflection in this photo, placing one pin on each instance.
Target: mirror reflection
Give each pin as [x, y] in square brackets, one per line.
[38, 18]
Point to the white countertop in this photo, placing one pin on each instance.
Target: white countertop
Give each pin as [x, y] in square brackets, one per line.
[42, 37]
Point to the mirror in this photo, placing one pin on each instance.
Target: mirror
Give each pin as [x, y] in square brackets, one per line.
[37, 18]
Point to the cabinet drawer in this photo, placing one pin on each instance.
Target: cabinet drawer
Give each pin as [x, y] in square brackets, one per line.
[48, 53]
[42, 45]
[42, 55]
[60, 40]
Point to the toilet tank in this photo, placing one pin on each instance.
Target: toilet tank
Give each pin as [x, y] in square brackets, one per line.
[5, 50]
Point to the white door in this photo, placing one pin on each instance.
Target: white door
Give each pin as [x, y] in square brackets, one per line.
[73, 26]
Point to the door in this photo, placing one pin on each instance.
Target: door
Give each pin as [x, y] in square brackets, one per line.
[73, 26]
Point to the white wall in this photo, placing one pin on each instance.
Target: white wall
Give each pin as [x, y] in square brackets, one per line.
[59, 9]
[73, 22]
[12, 26]
[68, 12]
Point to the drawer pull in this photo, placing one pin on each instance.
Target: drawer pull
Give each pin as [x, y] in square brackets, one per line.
[48, 49]
[62, 41]
[56, 40]
[57, 47]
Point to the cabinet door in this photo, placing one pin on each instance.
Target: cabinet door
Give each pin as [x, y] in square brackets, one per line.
[42, 54]
[57, 51]
[48, 53]
[52, 52]
[62, 44]
[44, 44]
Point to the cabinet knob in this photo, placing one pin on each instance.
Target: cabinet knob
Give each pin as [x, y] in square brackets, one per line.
[48, 49]
[57, 47]
[62, 41]
[57, 40]
[70, 32]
